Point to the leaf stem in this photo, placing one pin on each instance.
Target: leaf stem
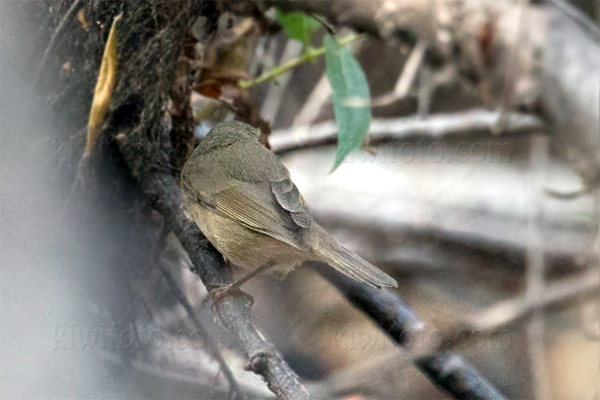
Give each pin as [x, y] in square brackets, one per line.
[323, 22]
[281, 69]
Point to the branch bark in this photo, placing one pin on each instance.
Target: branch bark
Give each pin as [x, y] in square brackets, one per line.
[436, 126]
[447, 370]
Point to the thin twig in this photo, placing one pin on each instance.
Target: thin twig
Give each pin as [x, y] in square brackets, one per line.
[330, 29]
[471, 122]
[158, 372]
[272, 102]
[425, 92]
[192, 315]
[407, 77]
[54, 40]
[510, 78]
[509, 312]
[314, 103]
[77, 183]
[318, 98]
[281, 69]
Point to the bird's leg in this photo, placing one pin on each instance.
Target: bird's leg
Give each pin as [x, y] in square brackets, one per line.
[219, 291]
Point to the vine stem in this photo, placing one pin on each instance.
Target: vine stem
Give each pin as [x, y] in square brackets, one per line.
[308, 56]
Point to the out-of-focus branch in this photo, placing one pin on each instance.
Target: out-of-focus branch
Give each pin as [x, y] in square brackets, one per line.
[509, 312]
[161, 190]
[314, 103]
[272, 100]
[447, 370]
[536, 268]
[556, 67]
[406, 79]
[319, 96]
[472, 122]
[203, 382]
[578, 16]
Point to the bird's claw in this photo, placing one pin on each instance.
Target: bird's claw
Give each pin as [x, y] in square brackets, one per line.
[218, 292]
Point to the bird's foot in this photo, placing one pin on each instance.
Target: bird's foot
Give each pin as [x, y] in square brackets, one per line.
[218, 292]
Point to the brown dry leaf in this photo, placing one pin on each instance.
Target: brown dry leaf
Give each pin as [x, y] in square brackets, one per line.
[226, 60]
[81, 18]
[104, 87]
[210, 88]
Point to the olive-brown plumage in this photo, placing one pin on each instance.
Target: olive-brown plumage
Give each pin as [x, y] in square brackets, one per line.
[242, 198]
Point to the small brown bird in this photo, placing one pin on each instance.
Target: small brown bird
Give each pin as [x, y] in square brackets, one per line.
[242, 198]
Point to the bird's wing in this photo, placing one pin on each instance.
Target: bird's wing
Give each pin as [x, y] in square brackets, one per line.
[243, 203]
[255, 191]
[290, 199]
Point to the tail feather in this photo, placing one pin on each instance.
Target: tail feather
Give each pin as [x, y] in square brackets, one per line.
[352, 265]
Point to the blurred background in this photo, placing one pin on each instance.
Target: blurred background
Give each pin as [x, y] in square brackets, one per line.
[477, 190]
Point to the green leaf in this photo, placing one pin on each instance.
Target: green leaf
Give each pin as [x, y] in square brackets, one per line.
[351, 99]
[297, 25]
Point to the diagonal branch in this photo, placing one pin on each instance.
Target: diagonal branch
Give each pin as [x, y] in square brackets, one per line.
[407, 77]
[447, 370]
[509, 312]
[161, 190]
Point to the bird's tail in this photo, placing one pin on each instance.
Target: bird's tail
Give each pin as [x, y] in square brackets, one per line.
[345, 261]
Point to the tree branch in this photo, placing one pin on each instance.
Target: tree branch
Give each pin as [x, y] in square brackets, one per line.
[471, 122]
[407, 77]
[539, 53]
[447, 370]
[509, 312]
